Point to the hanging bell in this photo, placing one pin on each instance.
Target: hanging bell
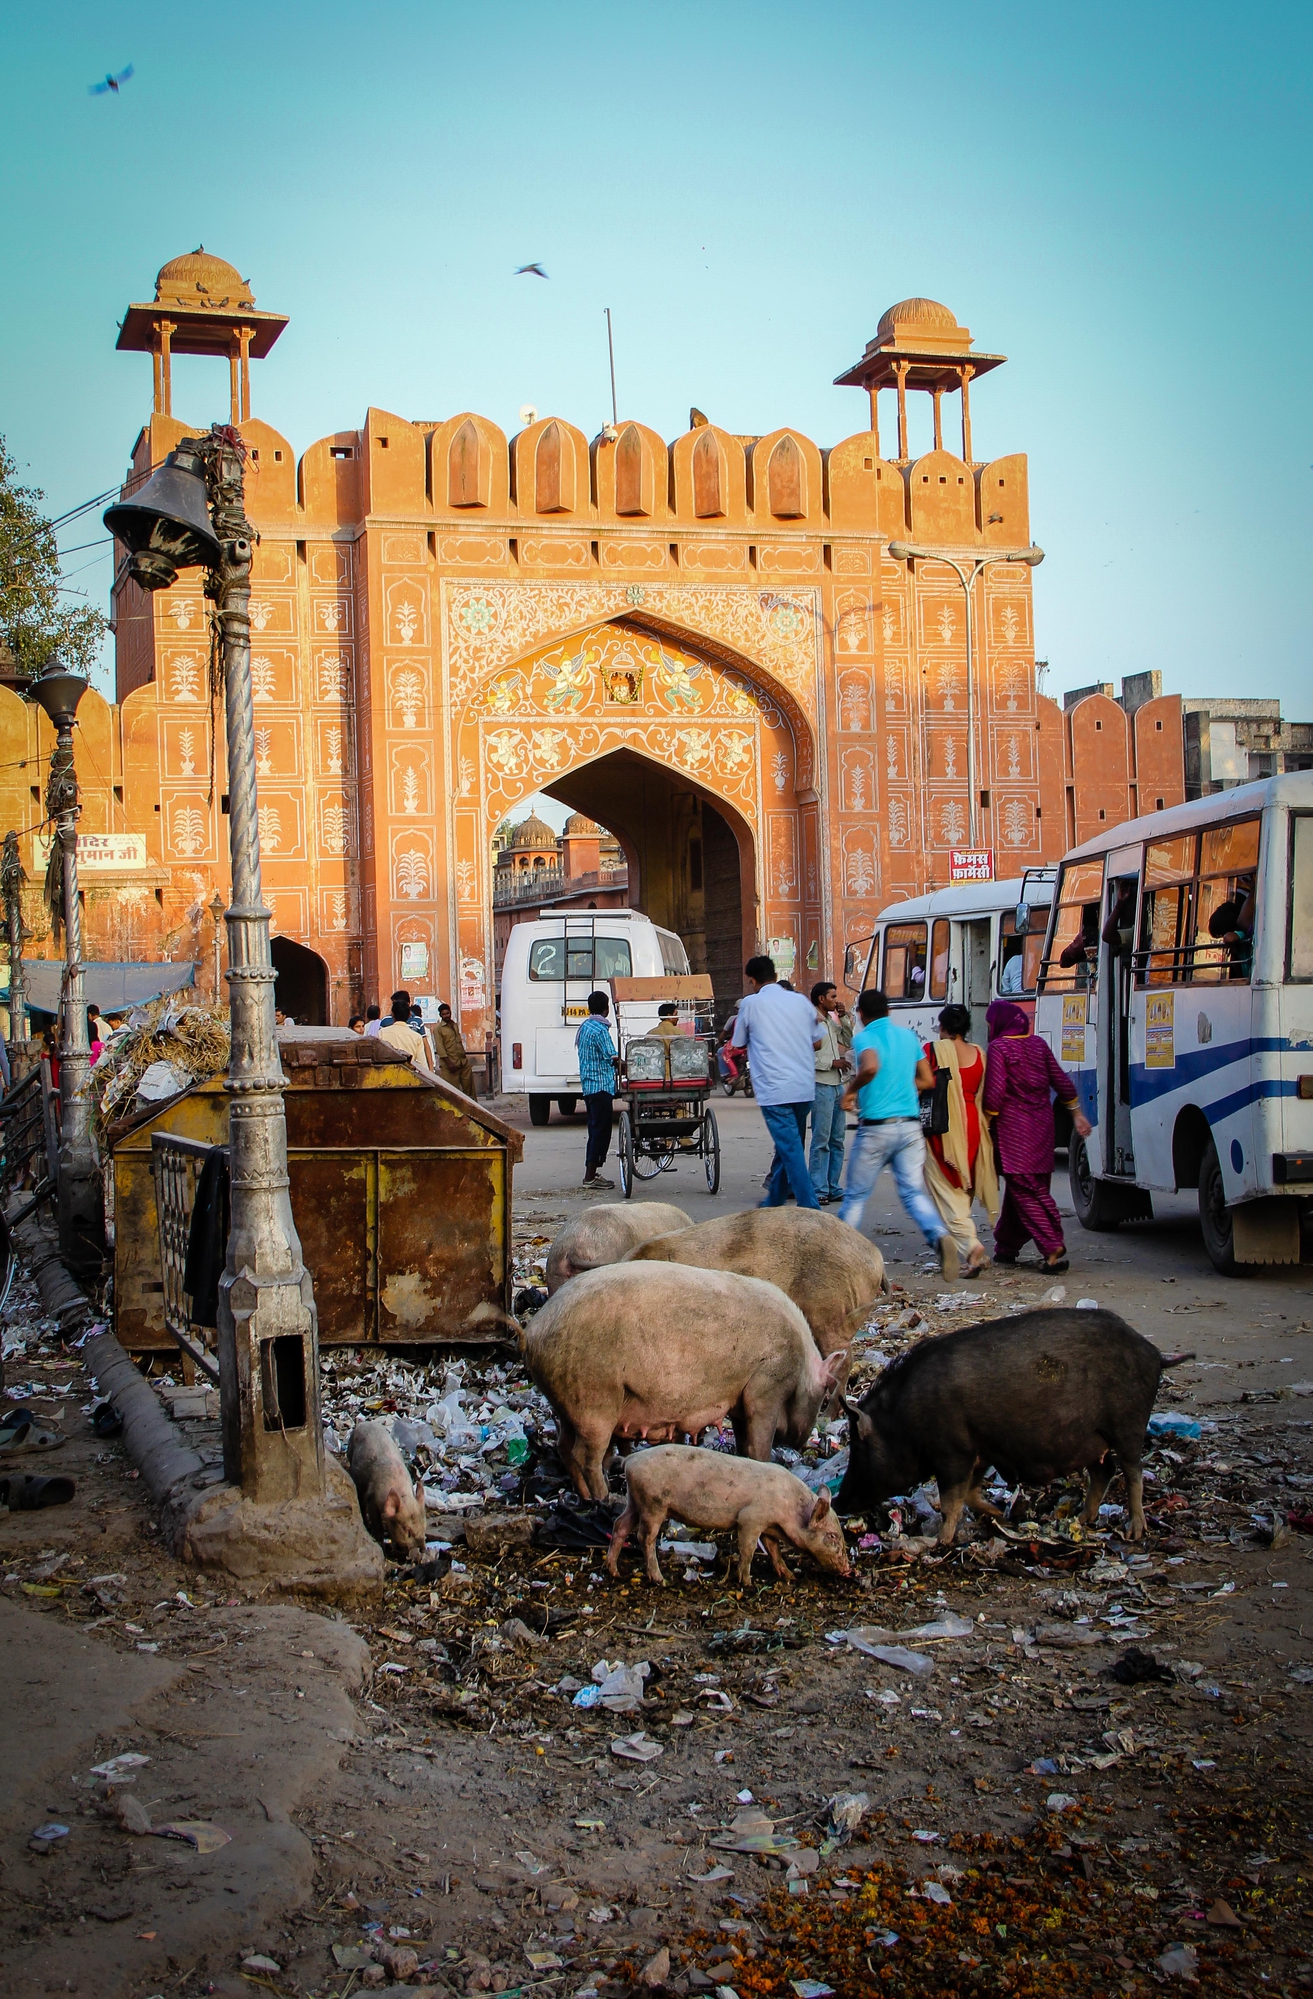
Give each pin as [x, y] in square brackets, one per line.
[165, 526]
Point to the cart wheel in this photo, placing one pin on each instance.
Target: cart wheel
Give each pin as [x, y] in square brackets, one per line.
[625, 1154]
[711, 1151]
[648, 1164]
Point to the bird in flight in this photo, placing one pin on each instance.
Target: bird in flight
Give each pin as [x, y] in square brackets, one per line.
[111, 83]
[531, 271]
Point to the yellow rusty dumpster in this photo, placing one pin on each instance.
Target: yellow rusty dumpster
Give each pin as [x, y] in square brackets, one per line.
[401, 1192]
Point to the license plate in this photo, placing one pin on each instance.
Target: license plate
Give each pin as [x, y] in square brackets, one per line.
[576, 1012]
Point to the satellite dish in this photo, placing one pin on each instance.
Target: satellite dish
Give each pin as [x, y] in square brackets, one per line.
[528, 414]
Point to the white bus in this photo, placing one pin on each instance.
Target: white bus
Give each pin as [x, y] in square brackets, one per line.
[959, 946]
[1185, 1011]
[552, 963]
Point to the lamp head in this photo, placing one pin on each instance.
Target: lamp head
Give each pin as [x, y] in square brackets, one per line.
[216, 906]
[1032, 556]
[58, 692]
[900, 550]
[166, 526]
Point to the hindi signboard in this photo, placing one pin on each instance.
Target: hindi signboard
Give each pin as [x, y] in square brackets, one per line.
[966, 865]
[103, 853]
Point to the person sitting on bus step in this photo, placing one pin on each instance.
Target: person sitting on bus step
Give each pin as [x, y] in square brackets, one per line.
[1014, 973]
[1232, 923]
[597, 1080]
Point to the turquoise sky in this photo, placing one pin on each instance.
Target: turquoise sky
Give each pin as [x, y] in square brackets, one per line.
[1116, 197]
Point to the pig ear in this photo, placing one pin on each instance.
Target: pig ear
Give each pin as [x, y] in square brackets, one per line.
[391, 1506]
[821, 1510]
[835, 1363]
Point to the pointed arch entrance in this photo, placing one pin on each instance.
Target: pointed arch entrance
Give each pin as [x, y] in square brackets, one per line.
[301, 983]
[692, 858]
[698, 759]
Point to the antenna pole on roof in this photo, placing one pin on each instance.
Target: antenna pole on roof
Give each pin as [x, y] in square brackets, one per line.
[610, 348]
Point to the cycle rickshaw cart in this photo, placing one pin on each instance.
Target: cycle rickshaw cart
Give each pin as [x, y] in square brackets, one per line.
[665, 1081]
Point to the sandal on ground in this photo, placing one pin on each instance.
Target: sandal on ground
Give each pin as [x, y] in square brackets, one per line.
[1056, 1268]
[977, 1266]
[30, 1438]
[24, 1494]
[1010, 1261]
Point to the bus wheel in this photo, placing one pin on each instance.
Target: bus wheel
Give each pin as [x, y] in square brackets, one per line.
[540, 1110]
[1215, 1217]
[1097, 1205]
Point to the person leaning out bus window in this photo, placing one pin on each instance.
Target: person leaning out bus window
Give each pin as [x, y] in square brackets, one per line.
[958, 1168]
[1232, 924]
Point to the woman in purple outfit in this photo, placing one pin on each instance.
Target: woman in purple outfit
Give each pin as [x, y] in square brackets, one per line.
[1021, 1072]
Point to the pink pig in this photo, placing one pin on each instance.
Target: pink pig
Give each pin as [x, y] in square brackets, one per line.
[390, 1505]
[708, 1489]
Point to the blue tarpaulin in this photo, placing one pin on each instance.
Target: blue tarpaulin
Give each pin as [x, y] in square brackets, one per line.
[111, 987]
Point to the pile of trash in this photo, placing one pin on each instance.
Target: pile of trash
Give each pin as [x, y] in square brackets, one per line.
[158, 1051]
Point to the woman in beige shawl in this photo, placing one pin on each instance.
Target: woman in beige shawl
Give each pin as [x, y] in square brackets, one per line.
[959, 1166]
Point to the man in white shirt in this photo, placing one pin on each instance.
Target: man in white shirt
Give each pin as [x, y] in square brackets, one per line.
[780, 1031]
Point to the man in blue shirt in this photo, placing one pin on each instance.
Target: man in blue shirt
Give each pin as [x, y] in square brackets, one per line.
[891, 1069]
[781, 1032]
[596, 1052]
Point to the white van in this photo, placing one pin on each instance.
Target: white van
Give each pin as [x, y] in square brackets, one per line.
[1188, 1021]
[551, 966]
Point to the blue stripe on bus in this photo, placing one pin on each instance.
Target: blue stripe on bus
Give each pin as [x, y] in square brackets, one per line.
[1147, 1084]
[1225, 1107]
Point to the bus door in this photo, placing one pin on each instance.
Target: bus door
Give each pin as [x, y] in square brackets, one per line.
[978, 971]
[1120, 904]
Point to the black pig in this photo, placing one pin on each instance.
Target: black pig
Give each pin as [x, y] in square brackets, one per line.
[1037, 1395]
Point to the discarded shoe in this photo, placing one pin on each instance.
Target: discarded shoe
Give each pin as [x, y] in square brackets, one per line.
[28, 1436]
[25, 1494]
[106, 1421]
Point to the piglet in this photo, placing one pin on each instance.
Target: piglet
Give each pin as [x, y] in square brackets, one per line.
[390, 1506]
[709, 1489]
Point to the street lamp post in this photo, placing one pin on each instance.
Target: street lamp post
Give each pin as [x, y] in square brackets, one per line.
[216, 914]
[268, 1331]
[22, 1054]
[966, 573]
[81, 1207]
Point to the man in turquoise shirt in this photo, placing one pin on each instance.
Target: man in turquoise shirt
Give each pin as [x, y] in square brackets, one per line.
[891, 1070]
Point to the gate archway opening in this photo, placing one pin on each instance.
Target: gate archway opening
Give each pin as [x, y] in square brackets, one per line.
[691, 859]
[301, 985]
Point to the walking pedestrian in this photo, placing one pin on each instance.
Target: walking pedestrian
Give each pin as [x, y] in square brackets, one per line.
[453, 1062]
[781, 1032]
[958, 1167]
[890, 1071]
[1021, 1073]
[597, 1079]
[829, 1118]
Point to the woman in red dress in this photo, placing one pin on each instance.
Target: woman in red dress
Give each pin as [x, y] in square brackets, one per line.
[958, 1168]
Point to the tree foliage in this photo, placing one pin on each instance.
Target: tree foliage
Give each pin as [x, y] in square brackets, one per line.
[34, 618]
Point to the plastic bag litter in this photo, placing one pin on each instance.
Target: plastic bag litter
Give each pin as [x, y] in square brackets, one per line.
[162, 1079]
[620, 1687]
[1170, 1423]
[847, 1809]
[898, 1656]
[830, 1474]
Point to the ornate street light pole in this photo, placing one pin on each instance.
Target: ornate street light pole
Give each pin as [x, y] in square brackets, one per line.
[81, 1204]
[22, 1053]
[216, 916]
[904, 551]
[268, 1332]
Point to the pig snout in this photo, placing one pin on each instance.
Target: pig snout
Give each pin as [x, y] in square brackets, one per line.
[822, 1538]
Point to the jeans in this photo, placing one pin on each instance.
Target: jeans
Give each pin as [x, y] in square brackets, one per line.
[897, 1143]
[829, 1128]
[787, 1125]
[600, 1111]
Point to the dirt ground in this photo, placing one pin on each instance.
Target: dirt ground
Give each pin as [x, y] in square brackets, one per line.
[415, 1781]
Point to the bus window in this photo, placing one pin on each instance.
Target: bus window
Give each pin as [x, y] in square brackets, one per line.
[1075, 929]
[904, 961]
[674, 958]
[1019, 957]
[1165, 911]
[1299, 950]
[1224, 908]
[547, 958]
[613, 960]
[579, 960]
[939, 958]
